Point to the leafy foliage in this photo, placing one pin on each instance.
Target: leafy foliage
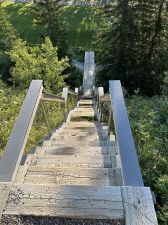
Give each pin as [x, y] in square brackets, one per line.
[8, 35]
[38, 63]
[149, 119]
[10, 102]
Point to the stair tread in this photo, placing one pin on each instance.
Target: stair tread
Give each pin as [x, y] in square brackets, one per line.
[78, 150]
[62, 137]
[65, 201]
[76, 161]
[87, 176]
[96, 143]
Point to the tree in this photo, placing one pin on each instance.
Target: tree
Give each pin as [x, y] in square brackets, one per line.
[8, 35]
[47, 12]
[38, 63]
[133, 42]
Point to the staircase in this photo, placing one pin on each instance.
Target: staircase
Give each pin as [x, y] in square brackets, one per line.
[71, 175]
[80, 172]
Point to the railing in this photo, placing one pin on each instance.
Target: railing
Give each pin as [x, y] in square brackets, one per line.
[14, 149]
[129, 161]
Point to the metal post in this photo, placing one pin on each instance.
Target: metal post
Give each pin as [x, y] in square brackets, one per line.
[46, 119]
[109, 122]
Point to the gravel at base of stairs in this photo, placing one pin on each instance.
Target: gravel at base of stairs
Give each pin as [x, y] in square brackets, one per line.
[31, 220]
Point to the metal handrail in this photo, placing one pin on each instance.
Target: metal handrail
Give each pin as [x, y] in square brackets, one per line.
[129, 161]
[11, 158]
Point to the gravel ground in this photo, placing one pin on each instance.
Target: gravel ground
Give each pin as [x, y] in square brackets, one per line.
[29, 220]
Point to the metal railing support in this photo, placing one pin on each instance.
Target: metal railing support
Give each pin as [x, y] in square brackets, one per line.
[109, 122]
[46, 118]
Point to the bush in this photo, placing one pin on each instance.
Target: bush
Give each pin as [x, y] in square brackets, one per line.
[10, 103]
[149, 119]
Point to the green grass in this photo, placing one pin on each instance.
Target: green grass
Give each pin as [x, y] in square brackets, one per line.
[23, 20]
[81, 25]
[79, 21]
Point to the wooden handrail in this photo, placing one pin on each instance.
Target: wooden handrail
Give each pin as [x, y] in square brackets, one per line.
[51, 98]
[72, 92]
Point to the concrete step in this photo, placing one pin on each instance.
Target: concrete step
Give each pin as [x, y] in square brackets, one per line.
[65, 201]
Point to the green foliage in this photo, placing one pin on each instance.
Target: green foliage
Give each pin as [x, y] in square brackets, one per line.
[10, 102]
[7, 32]
[48, 13]
[133, 41]
[8, 36]
[81, 24]
[39, 130]
[22, 18]
[149, 119]
[75, 78]
[38, 63]
[165, 87]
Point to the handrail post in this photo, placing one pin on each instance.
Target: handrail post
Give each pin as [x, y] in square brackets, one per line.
[110, 120]
[46, 119]
[100, 93]
[65, 96]
[77, 92]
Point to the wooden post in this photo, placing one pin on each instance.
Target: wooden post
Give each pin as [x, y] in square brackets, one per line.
[138, 206]
[4, 192]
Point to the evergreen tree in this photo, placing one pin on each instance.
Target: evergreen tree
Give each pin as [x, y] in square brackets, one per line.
[47, 12]
[8, 36]
[132, 39]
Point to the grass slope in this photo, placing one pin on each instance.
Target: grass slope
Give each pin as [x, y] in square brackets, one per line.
[23, 20]
[81, 25]
[79, 21]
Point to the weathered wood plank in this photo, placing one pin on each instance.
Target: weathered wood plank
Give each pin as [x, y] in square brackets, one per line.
[76, 138]
[138, 206]
[20, 177]
[66, 201]
[80, 143]
[42, 179]
[4, 192]
[78, 151]
[47, 174]
[75, 161]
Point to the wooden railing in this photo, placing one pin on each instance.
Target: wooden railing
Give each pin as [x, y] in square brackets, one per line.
[117, 110]
[14, 149]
